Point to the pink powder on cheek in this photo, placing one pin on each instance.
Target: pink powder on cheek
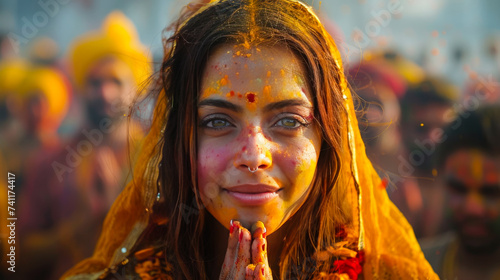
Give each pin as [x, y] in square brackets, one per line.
[212, 165]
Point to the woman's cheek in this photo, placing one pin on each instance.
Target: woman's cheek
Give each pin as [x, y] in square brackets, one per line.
[212, 164]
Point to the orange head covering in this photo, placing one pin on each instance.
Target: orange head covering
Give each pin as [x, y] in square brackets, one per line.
[117, 38]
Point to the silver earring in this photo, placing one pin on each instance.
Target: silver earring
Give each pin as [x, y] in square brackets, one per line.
[252, 170]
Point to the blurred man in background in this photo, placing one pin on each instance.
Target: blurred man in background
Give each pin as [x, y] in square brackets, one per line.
[427, 108]
[63, 215]
[469, 168]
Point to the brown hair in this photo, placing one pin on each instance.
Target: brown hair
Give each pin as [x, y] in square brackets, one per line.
[198, 32]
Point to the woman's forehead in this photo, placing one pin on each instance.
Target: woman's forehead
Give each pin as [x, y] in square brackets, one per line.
[263, 70]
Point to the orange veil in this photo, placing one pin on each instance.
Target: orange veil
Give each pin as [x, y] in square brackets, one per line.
[391, 249]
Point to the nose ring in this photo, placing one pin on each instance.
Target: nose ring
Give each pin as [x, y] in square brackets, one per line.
[252, 170]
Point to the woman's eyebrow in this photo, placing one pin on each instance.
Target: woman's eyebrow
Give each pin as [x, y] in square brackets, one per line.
[221, 104]
[286, 103]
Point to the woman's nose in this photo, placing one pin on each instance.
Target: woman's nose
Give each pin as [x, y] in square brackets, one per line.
[255, 152]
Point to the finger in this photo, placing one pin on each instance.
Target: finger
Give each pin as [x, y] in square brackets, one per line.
[258, 230]
[259, 244]
[259, 250]
[249, 272]
[259, 272]
[228, 268]
[244, 255]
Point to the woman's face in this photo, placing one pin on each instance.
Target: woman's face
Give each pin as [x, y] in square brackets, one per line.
[258, 145]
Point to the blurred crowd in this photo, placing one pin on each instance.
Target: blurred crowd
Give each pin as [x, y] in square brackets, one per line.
[68, 135]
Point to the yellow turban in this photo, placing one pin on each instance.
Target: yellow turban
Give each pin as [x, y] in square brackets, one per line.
[54, 88]
[12, 73]
[117, 38]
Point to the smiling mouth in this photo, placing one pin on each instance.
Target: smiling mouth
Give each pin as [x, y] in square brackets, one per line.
[253, 195]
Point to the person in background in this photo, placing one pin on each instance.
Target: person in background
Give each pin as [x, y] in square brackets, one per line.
[426, 108]
[381, 80]
[469, 170]
[72, 188]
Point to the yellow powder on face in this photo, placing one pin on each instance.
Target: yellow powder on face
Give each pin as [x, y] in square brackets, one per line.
[266, 91]
[282, 73]
[224, 81]
[208, 91]
[268, 74]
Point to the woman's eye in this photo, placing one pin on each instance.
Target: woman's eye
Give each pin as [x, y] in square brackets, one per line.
[289, 123]
[216, 123]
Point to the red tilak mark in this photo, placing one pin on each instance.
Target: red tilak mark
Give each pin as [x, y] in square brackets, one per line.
[241, 236]
[383, 184]
[250, 97]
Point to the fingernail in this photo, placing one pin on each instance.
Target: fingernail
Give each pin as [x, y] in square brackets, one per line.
[231, 228]
[262, 270]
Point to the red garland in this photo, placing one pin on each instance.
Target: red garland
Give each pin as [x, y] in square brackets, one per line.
[351, 266]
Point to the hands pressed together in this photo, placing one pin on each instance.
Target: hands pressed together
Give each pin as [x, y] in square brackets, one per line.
[246, 255]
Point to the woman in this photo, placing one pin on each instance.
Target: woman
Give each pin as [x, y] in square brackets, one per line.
[254, 136]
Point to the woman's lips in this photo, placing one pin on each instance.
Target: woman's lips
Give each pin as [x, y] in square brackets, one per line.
[253, 195]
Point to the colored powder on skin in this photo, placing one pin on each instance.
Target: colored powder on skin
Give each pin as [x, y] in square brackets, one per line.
[240, 95]
[298, 80]
[230, 94]
[268, 74]
[282, 73]
[250, 97]
[224, 81]
[209, 91]
[267, 90]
